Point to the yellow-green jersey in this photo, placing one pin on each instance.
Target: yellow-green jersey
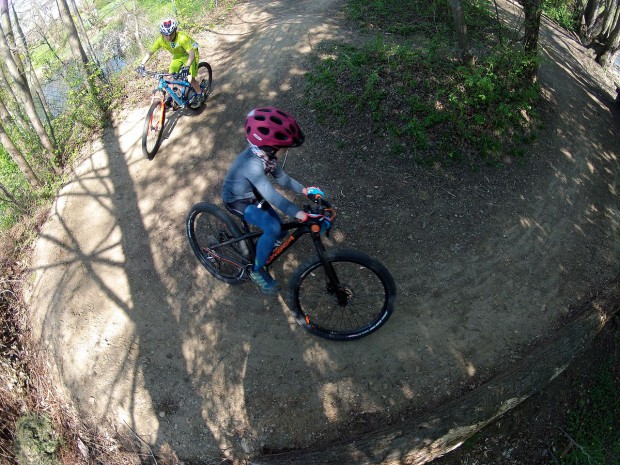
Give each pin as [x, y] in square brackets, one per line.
[179, 47]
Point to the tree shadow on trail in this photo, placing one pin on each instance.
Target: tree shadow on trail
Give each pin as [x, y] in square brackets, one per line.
[151, 340]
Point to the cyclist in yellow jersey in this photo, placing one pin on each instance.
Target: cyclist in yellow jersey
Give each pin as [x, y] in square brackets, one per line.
[184, 52]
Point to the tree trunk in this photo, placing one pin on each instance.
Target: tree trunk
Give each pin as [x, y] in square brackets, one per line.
[34, 79]
[81, 29]
[532, 10]
[461, 32]
[22, 89]
[137, 29]
[19, 159]
[611, 9]
[612, 44]
[19, 115]
[76, 47]
[592, 19]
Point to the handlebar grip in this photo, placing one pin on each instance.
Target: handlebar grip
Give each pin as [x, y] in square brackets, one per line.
[324, 202]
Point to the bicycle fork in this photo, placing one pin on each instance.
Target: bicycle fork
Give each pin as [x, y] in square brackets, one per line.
[332, 282]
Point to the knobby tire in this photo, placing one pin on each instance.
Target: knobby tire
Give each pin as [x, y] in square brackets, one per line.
[367, 286]
[205, 78]
[208, 225]
[153, 129]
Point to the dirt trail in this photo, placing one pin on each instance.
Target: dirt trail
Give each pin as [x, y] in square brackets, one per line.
[487, 264]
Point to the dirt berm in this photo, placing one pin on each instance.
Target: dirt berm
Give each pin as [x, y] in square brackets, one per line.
[491, 267]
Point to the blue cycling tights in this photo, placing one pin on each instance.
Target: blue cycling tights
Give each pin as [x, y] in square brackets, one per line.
[269, 221]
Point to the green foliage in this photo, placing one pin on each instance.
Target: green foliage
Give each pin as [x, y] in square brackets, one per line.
[424, 100]
[14, 181]
[86, 112]
[414, 94]
[563, 12]
[593, 427]
[400, 17]
[189, 13]
[36, 442]
[415, 17]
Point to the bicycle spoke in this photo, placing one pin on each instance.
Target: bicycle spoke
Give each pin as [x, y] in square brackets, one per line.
[207, 228]
[363, 303]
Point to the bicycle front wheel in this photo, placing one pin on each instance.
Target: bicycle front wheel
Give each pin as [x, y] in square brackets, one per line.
[153, 129]
[209, 226]
[357, 304]
[204, 77]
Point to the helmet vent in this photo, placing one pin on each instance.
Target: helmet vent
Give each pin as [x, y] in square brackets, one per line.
[273, 127]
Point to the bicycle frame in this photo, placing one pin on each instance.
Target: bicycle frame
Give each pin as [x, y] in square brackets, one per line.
[299, 230]
[165, 87]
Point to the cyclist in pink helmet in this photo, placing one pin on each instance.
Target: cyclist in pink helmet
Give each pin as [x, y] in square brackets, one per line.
[248, 192]
[184, 52]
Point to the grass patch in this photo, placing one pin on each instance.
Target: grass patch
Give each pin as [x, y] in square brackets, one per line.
[423, 101]
[412, 93]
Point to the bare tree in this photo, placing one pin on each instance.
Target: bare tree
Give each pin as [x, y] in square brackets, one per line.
[88, 67]
[21, 85]
[82, 30]
[34, 79]
[38, 18]
[18, 158]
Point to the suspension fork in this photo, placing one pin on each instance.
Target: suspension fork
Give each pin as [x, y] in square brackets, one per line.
[162, 103]
[331, 278]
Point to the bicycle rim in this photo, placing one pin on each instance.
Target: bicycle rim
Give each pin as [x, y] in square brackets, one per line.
[207, 227]
[153, 129]
[205, 77]
[359, 306]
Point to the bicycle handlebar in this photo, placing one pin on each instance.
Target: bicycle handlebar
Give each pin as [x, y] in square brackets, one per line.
[322, 207]
[157, 74]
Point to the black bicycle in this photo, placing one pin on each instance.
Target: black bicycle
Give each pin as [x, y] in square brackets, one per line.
[171, 92]
[336, 294]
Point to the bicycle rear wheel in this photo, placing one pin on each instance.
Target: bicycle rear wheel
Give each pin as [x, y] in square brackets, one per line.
[207, 227]
[153, 129]
[358, 305]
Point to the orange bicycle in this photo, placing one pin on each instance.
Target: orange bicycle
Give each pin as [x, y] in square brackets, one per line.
[336, 294]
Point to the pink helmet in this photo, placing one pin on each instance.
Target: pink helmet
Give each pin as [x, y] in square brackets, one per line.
[271, 127]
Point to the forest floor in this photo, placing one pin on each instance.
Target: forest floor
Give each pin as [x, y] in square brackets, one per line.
[488, 263]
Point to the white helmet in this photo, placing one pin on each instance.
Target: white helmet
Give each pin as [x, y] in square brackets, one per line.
[168, 26]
